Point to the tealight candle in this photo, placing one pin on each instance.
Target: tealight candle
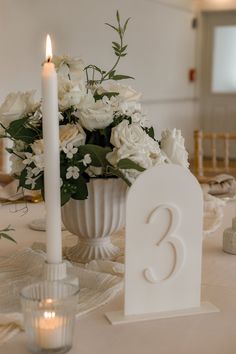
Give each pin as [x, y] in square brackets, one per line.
[49, 330]
[49, 309]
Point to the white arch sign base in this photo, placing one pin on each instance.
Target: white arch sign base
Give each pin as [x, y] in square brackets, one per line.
[163, 246]
[118, 317]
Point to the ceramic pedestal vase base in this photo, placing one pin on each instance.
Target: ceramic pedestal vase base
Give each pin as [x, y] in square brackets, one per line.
[93, 220]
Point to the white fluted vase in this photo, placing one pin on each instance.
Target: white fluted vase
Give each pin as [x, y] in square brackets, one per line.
[95, 219]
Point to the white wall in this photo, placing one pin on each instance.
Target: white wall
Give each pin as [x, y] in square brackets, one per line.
[161, 49]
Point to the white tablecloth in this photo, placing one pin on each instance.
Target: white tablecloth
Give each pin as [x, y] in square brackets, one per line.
[203, 334]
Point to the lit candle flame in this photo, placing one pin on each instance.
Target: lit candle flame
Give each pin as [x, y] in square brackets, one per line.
[49, 315]
[48, 49]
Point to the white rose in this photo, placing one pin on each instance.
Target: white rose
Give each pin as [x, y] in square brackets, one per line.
[172, 144]
[67, 66]
[126, 93]
[94, 114]
[69, 133]
[72, 133]
[132, 142]
[15, 106]
[69, 94]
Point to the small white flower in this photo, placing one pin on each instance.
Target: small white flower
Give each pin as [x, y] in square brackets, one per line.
[39, 161]
[87, 159]
[30, 181]
[72, 172]
[29, 172]
[70, 150]
[36, 171]
[29, 158]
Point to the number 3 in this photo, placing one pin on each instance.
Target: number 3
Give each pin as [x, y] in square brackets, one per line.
[168, 237]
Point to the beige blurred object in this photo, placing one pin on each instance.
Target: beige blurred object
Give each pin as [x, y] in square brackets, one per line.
[9, 194]
[4, 163]
[214, 164]
[213, 212]
[222, 185]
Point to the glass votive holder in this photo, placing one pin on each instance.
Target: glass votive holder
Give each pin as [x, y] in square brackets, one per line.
[49, 309]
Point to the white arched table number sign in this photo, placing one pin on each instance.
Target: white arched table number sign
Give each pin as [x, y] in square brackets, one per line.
[163, 247]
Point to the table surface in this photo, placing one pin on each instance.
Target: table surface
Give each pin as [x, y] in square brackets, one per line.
[201, 334]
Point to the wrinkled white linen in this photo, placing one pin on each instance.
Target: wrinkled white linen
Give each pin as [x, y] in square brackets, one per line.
[25, 266]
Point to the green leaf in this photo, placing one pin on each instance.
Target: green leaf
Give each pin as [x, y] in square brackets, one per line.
[111, 74]
[116, 29]
[129, 164]
[18, 130]
[6, 236]
[82, 190]
[150, 132]
[115, 172]
[107, 94]
[123, 48]
[65, 197]
[118, 16]
[94, 67]
[125, 25]
[122, 77]
[117, 45]
[97, 153]
[3, 233]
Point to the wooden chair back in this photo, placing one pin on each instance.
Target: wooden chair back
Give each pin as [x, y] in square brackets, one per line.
[213, 164]
[2, 152]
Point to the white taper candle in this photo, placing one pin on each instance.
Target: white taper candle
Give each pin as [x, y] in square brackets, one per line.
[51, 159]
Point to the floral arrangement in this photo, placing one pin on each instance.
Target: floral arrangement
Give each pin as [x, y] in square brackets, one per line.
[103, 131]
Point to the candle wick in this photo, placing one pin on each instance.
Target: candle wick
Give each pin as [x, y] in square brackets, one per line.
[49, 59]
